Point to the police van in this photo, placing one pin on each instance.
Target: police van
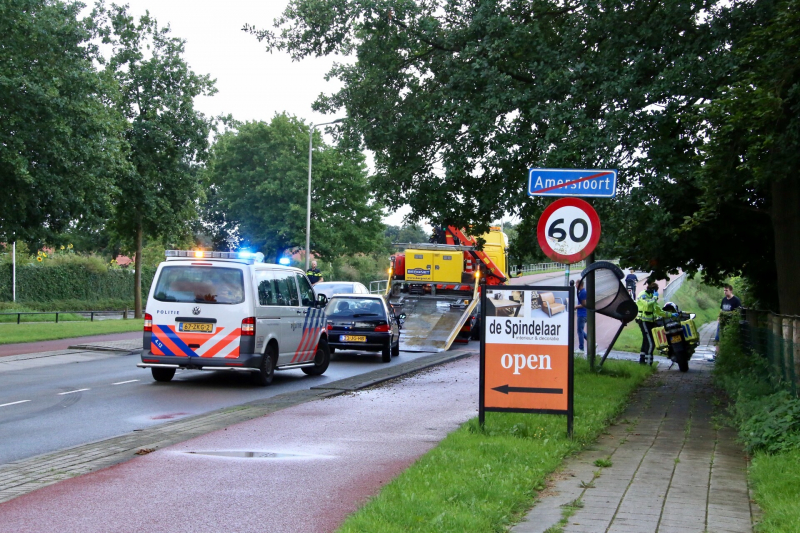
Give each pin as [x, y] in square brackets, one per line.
[228, 311]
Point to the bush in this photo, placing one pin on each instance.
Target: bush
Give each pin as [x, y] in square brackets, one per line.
[70, 277]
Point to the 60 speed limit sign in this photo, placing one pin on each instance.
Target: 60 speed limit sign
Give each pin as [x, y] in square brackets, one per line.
[568, 230]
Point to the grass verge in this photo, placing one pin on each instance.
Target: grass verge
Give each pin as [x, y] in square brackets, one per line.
[485, 479]
[776, 484]
[693, 297]
[13, 333]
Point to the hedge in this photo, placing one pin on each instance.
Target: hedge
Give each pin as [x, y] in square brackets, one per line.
[36, 283]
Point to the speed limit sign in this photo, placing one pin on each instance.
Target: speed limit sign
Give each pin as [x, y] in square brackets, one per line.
[568, 230]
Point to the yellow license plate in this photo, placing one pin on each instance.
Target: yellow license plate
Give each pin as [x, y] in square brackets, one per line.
[195, 327]
[675, 338]
[352, 338]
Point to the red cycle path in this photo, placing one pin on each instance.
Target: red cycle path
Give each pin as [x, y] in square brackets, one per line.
[62, 344]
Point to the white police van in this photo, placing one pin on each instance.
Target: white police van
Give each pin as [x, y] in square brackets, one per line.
[228, 311]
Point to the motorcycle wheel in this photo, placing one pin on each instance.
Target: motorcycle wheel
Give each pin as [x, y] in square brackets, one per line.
[683, 364]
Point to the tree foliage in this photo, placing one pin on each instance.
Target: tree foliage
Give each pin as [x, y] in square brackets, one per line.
[258, 176]
[166, 136]
[457, 98]
[59, 143]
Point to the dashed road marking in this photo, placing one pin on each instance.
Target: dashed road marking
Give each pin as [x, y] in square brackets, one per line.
[70, 392]
[123, 382]
[13, 403]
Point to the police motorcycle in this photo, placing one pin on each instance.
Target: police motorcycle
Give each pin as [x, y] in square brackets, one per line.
[676, 335]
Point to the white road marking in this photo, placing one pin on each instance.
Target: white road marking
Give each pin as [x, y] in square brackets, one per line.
[123, 382]
[70, 392]
[13, 403]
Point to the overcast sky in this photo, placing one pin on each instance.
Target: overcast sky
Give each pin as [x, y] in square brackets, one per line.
[252, 84]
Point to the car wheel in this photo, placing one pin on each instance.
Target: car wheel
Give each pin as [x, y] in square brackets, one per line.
[162, 374]
[267, 369]
[321, 360]
[387, 353]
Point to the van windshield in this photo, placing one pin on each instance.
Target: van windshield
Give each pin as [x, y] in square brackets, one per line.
[199, 284]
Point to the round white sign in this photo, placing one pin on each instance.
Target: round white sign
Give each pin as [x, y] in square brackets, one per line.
[568, 230]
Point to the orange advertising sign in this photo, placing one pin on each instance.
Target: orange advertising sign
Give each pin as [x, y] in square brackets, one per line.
[526, 363]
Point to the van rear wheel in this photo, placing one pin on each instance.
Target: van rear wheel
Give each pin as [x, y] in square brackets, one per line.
[267, 369]
[163, 374]
[321, 360]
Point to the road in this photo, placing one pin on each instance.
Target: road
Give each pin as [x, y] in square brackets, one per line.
[54, 403]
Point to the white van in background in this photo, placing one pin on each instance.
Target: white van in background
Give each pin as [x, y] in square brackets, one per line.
[228, 311]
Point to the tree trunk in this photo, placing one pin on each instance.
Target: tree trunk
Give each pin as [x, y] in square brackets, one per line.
[786, 227]
[137, 276]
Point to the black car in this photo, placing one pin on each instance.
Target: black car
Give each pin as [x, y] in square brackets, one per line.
[363, 322]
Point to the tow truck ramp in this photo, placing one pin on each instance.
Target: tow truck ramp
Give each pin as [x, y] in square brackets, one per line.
[432, 322]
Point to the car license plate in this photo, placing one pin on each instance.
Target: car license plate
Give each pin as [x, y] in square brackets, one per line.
[195, 327]
[675, 338]
[352, 338]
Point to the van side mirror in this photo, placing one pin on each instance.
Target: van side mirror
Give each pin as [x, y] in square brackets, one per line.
[322, 301]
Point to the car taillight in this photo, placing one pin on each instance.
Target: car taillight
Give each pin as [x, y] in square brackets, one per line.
[384, 328]
[148, 322]
[330, 326]
[249, 326]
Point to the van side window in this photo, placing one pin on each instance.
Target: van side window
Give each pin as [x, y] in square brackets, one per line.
[306, 292]
[286, 289]
[266, 288]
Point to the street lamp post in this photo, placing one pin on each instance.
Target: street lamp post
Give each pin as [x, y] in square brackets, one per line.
[308, 203]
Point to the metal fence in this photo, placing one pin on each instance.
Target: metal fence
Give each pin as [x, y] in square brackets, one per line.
[673, 286]
[521, 270]
[90, 314]
[776, 338]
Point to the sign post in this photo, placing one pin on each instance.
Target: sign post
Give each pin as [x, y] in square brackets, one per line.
[527, 363]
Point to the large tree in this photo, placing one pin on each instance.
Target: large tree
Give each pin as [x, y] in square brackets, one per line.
[259, 178]
[59, 144]
[457, 98]
[166, 136]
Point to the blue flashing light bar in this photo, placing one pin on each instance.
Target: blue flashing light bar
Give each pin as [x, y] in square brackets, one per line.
[284, 260]
[204, 254]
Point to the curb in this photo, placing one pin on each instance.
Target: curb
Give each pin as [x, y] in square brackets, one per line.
[26, 475]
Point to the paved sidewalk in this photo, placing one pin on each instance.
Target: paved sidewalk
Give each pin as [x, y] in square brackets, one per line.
[672, 470]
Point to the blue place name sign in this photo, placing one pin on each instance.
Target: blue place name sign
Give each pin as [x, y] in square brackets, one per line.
[572, 182]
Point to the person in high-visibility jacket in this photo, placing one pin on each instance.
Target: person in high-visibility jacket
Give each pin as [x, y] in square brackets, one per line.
[649, 311]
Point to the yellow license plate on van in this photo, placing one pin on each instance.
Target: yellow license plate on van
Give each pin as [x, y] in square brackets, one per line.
[195, 327]
[352, 338]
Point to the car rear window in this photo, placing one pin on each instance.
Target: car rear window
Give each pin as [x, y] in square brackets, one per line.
[354, 307]
[200, 284]
[334, 288]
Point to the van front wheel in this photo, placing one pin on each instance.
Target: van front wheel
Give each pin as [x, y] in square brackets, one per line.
[321, 360]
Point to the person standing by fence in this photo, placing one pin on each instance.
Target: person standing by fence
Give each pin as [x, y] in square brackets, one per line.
[730, 302]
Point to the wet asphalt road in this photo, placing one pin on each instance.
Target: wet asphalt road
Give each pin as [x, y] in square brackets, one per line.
[47, 406]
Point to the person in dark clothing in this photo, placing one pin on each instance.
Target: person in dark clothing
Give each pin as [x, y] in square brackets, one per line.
[630, 283]
[580, 311]
[314, 275]
[730, 302]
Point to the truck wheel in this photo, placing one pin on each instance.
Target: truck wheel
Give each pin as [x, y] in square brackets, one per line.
[267, 369]
[321, 360]
[387, 353]
[162, 374]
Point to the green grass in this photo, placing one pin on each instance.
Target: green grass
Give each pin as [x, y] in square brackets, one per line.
[13, 333]
[485, 479]
[692, 297]
[776, 484]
